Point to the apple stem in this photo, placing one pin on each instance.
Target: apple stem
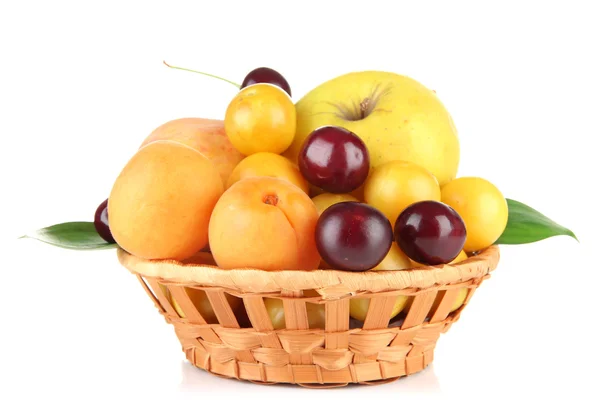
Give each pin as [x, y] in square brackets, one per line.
[203, 73]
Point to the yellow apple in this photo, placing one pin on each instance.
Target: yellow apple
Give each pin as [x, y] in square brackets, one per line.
[397, 117]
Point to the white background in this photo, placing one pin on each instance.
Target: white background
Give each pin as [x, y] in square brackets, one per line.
[82, 84]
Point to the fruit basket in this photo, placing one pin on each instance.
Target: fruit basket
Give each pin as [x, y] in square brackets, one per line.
[324, 242]
[242, 343]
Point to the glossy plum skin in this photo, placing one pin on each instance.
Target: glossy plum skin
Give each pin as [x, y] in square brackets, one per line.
[101, 222]
[334, 159]
[353, 236]
[430, 232]
[266, 75]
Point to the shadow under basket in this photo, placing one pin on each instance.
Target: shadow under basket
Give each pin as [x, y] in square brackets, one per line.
[229, 324]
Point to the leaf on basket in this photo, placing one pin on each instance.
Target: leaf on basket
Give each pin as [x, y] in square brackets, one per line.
[526, 225]
[77, 235]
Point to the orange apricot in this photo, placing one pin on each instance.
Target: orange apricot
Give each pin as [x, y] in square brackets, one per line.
[267, 164]
[264, 223]
[160, 204]
[204, 135]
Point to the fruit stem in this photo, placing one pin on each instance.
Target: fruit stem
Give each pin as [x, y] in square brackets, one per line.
[203, 73]
[271, 199]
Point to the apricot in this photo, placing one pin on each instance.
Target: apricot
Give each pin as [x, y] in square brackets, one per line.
[264, 223]
[204, 135]
[160, 204]
[267, 164]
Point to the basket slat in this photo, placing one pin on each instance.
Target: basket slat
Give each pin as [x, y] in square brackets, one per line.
[158, 291]
[378, 314]
[337, 323]
[259, 318]
[226, 317]
[190, 311]
[222, 309]
[419, 308]
[296, 318]
[443, 309]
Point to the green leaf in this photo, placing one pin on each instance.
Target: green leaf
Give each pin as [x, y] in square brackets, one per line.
[526, 225]
[77, 235]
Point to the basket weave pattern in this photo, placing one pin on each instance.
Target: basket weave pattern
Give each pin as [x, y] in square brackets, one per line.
[242, 343]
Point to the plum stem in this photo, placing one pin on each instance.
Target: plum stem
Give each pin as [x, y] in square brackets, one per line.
[202, 73]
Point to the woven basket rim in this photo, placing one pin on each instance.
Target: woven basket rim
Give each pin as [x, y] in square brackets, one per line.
[328, 283]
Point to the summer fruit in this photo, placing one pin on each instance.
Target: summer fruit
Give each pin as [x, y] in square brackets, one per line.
[430, 232]
[353, 236]
[397, 117]
[101, 222]
[325, 200]
[395, 259]
[482, 207]
[258, 75]
[360, 306]
[461, 257]
[267, 164]
[161, 202]
[202, 257]
[314, 311]
[266, 75]
[395, 185]
[204, 135]
[201, 302]
[261, 118]
[264, 223]
[334, 159]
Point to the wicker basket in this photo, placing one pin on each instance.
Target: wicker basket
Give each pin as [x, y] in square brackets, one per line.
[244, 345]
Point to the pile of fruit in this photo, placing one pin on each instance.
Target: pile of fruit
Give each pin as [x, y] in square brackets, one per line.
[172, 200]
[358, 175]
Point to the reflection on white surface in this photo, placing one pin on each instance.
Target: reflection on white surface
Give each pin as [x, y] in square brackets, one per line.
[197, 380]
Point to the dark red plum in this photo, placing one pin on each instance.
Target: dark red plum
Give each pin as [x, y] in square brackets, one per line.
[101, 222]
[353, 236]
[266, 75]
[334, 159]
[430, 232]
